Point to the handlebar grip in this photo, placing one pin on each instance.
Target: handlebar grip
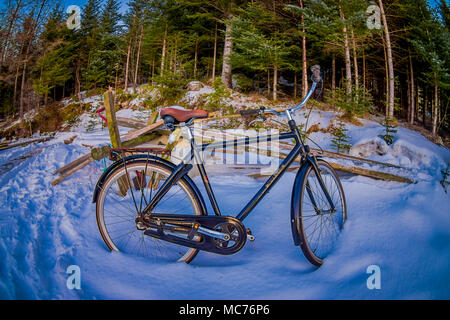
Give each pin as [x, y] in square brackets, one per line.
[246, 113]
[316, 73]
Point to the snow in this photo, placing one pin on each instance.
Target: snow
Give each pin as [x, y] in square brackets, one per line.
[404, 229]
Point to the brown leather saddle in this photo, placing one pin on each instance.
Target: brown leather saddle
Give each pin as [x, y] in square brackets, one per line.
[181, 115]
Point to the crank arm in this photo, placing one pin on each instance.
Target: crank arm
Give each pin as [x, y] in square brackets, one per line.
[191, 232]
[213, 233]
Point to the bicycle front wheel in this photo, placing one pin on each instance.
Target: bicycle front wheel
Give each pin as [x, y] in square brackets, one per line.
[318, 225]
[126, 192]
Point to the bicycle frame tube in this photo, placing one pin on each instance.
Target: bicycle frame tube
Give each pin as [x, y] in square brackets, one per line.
[195, 153]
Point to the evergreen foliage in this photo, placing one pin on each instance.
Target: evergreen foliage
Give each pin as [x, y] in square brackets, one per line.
[340, 141]
[166, 43]
[390, 130]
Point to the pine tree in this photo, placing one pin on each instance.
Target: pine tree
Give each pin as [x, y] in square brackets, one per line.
[110, 18]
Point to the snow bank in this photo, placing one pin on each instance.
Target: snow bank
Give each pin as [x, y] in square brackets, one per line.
[404, 229]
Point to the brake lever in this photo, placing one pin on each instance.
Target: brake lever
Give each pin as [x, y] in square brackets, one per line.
[259, 119]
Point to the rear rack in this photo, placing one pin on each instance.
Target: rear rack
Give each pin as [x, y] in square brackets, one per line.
[116, 153]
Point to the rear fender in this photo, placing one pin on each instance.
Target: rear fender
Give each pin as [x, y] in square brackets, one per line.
[135, 158]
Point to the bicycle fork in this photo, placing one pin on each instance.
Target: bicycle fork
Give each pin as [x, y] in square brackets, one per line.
[316, 169]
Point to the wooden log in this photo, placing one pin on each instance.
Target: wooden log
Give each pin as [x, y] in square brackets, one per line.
[130, 123]
[102, 152]
[330, 154]
[70, 140]
[371, 173]
[21, 144]
[136, 133]
[73, 164]
[71, 171]
[359, 171]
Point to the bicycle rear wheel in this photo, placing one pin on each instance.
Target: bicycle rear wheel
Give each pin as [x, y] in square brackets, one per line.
[126, 192]
[318, 226]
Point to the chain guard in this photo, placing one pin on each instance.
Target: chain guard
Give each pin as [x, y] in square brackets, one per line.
[157, 224]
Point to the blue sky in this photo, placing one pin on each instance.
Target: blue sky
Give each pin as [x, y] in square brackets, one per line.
[81, 3]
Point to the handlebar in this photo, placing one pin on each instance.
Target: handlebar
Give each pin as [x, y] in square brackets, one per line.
[315, 77]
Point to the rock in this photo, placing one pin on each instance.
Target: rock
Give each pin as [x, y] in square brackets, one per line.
[194, 86]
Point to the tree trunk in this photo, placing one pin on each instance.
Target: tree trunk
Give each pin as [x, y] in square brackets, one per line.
[387, 77]
[364, 71]
[153, 69]
[413, 93]
[390, 62]
[333, 75]
[355, 62]
[275, 83]
[175, 55]
[348, 66]
[268, 83]
[408, 94]
[16, 80]
[304, 58]
[435, 106]
[137, 60]
[163, 54]
[127, 65]
[77, 80]
[195, 58]
[215, 56]
[295, 85]
[228, 47]
[22, 85]
[5, 45]
[425, 106]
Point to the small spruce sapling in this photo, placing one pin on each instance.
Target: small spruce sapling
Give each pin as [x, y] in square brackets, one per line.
[340, 140]
[389, 131]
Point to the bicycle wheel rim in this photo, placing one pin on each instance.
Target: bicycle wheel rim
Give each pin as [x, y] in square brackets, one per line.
[145, 245]
[320, 231]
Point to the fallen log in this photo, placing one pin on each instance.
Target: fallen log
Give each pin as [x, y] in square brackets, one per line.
[353, 170]
[330, 154]
[139, 132]
[371, 173]
[72, 171]
[130, 123]
[21, 144]
[73, 164]
[102, 152]
[70, 140]
[318, 152]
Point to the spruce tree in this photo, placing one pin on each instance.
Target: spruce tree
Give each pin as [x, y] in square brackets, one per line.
[390, 130]
[340, 140]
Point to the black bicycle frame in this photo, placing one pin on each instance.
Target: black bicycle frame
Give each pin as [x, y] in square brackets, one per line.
[185, 166]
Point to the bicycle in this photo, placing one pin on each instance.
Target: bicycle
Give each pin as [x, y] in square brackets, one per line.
[146, 205]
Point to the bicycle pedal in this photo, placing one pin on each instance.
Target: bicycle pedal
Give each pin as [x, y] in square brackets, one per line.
[250, 237]
[193, 231]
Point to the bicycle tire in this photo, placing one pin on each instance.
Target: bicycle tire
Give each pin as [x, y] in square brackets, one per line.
[144, 166]
[305, 212]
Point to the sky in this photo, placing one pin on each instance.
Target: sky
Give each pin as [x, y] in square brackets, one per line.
[81, 4]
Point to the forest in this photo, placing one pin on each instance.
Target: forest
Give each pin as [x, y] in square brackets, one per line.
[384, 57]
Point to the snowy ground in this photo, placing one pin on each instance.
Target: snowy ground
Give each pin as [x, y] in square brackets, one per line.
[404, 229]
